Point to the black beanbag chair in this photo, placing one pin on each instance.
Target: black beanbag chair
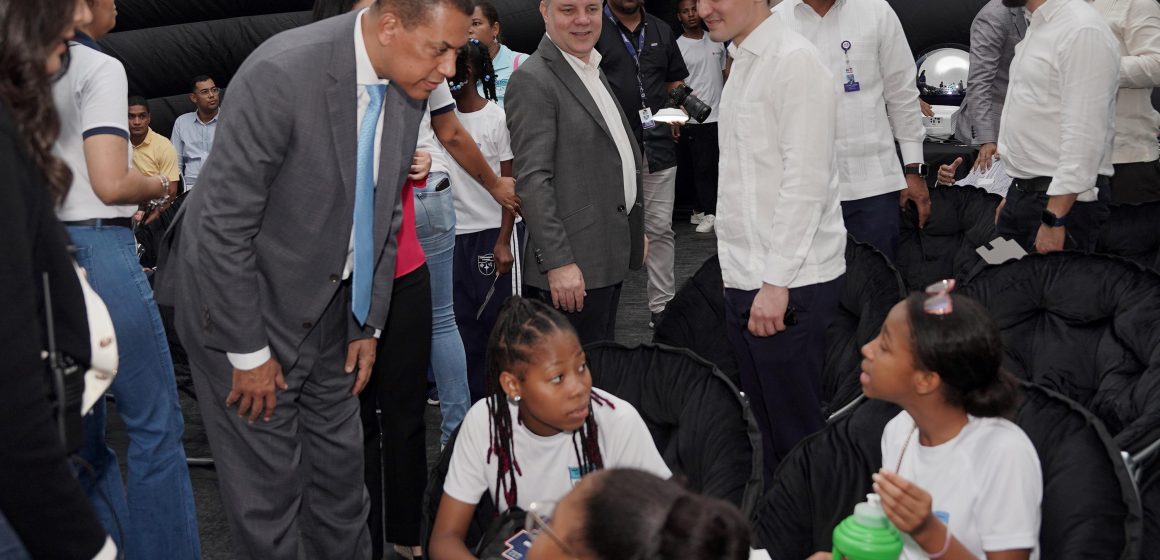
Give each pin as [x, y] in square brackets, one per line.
[961, 219]
[1133, 232]
[872, 287]
[695, 319]
[700, 422]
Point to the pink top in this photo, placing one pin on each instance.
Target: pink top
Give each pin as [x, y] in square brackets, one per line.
[410, 255]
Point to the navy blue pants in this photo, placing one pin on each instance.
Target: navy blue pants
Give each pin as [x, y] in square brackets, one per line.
[874, 220]
[1022, 215]
[782, 373]
[474, 275]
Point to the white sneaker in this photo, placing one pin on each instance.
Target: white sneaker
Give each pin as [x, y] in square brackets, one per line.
[706, 224]
[696, 218]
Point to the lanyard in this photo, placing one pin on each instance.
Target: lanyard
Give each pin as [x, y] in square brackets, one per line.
[634, 52]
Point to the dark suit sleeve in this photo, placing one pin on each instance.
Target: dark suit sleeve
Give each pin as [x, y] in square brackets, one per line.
[39, 496]
[531, 117]
[250, 143]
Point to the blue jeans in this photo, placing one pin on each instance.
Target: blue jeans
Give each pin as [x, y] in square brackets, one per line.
[10, 546]
[154, 512]
[435, 222]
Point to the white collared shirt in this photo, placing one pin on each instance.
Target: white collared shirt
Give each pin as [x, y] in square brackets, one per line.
[1136, 24]
[364, 75]
[884, 108]
[779, 220]
[589, 73]
[1059, 117]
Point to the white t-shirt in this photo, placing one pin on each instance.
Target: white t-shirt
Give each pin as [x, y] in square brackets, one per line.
[706, 62]
[438, 103]
[548, 464]
[986, 483]
[92, 98]
[475, 209]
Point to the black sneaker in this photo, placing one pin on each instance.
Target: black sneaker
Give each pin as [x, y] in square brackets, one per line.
[432, 395]
[655, 319]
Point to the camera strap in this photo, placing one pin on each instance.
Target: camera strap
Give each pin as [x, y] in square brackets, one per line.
[635, 52]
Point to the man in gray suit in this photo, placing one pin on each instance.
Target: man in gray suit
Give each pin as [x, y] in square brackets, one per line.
[577, 172]
[994, 34]
[286, 261]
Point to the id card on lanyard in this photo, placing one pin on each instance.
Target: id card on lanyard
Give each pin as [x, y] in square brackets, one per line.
[646, 117]
[851, 84]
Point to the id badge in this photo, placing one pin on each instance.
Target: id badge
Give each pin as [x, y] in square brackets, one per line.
[646, 119]
[851, 84]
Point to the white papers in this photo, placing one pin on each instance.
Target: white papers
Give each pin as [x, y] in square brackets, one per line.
[995, 180]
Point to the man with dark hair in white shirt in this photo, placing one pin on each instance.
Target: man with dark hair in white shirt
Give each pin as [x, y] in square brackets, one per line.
[1057, 128]
[862, 43]
[1136, 155]
[779, 223]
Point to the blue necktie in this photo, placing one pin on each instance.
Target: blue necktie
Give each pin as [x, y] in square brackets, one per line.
[364, 205]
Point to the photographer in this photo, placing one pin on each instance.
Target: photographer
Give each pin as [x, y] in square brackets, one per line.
[640, 58]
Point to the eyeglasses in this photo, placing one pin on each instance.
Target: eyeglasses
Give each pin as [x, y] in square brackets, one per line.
[208, 91]
[536, 524]
[939, 301]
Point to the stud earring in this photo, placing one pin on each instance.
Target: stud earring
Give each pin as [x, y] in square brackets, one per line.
[515, 399]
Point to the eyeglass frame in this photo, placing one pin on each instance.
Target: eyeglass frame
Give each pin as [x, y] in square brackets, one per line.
[938, 301]
[214, 90]
[535, 524]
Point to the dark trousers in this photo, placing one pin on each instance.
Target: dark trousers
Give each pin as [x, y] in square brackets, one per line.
[782, 373]
[698, 152]
[474, 277]
[598, 319]
[1022, 215]
[874, 220]
[1136, 183]
[394, 439]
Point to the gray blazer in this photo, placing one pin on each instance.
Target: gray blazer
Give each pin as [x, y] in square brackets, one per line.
[568, 175]
[994, 34]
[266, 232]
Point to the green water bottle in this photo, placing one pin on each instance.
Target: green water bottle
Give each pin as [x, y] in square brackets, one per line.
[867, 535]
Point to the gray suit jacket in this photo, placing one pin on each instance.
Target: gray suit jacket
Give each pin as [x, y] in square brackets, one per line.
[568, 175]
[266, 232]
[994, 34]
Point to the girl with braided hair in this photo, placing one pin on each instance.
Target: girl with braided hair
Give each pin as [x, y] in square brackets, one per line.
[486, 267]
[541, 429]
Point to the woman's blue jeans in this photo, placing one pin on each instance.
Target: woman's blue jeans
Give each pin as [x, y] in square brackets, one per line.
[153, 511]
[435, 222]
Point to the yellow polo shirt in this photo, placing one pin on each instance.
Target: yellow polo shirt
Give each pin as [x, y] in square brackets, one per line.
[156, 156]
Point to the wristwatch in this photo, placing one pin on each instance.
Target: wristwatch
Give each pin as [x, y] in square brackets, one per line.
[1051, 220]
[920, 169]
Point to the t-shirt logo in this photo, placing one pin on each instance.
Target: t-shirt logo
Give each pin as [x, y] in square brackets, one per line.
[574, 473]
[943, 516]
[517, 546]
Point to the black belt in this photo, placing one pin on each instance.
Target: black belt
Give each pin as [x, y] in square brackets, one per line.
[1040, 184]
[102, 222]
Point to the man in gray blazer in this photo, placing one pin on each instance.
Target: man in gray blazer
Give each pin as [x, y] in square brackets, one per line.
[994, 34]
[577, 172]
[286, 260]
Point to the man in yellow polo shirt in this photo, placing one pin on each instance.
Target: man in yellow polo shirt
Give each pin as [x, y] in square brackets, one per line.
[153, 154]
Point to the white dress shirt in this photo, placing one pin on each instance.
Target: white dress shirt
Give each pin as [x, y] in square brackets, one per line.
[589, 73]
[1136, 24]
[884, 109]
[779, 220]
[364, 75]
[1059, 118]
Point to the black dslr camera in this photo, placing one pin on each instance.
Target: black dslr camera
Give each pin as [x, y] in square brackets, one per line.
[682, 96]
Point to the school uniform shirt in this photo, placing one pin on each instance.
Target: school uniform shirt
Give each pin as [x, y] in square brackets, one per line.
[705, 59]
[883, 105]
[1136, 25]
[438, 103]
[505, 62]
[1059, 117]
[92, 99]
[548, 464]
[986, 483]
[778, 216]
[475, 209]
